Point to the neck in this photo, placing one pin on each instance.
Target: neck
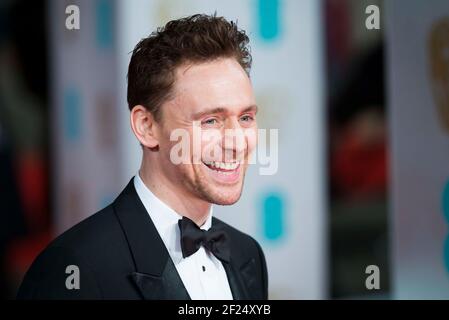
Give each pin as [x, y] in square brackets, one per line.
[174, 195]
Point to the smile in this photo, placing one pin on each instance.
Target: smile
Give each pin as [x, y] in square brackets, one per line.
[223, 172]
[222, 166]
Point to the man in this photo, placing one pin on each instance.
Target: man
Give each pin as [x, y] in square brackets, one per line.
[158, 239]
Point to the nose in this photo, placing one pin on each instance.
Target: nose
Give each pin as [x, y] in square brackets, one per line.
[234, 140]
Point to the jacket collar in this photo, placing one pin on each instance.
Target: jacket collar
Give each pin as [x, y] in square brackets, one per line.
[155, 274]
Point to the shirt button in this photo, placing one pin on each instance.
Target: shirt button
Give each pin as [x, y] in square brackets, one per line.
[204, 268]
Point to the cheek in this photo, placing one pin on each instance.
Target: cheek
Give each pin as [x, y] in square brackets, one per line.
[210, 143]
[251, 138]
[169, 149]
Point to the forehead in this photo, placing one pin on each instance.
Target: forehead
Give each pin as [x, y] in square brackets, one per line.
[218, 83]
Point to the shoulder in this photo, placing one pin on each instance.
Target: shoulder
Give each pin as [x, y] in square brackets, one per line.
[93, 233]
[91, 246]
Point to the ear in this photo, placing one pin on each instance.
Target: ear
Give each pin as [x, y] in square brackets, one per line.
[144, 126]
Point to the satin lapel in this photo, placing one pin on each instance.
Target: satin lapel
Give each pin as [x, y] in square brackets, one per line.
[247, 272]
[156, 276]
[240, 270]
[238, 288]
[167, 286]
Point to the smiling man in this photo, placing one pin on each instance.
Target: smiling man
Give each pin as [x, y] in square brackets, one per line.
[159, 239]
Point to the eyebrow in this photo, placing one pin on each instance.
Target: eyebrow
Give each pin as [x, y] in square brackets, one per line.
[221, 110]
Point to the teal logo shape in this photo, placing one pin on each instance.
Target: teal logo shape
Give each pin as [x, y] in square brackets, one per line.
[72, 114]
[268, 19]
[273, 216]
[104, 23]
[445, 207]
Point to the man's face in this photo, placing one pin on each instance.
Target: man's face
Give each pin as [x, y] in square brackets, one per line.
[215, 98]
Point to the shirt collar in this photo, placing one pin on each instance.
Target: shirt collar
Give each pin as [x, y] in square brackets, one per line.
[165, 219]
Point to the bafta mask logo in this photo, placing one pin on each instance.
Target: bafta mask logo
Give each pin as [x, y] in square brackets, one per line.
[439, 65]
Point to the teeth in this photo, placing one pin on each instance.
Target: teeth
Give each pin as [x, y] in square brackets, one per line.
[222, 165]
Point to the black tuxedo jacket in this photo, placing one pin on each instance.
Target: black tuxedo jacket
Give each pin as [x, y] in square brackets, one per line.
[120, 255]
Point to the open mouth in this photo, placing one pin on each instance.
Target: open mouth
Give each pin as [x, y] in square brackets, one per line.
[225, 172]
[225, 167]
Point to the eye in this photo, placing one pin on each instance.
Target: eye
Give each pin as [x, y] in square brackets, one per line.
[210, 122]
[247, 118]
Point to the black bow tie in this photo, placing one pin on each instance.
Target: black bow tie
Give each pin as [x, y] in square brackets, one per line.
[192, 237]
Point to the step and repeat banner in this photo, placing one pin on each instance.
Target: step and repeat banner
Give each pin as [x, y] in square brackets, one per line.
[283, 204]
[417, 38]
[86, 155]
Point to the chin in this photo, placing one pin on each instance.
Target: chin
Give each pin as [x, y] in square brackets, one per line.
[226, 201]
[224, 198]
[218, 192]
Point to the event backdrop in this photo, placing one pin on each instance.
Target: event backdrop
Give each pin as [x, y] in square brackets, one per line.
[417, 35]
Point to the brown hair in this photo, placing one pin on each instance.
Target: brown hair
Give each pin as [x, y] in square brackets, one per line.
[197, 38]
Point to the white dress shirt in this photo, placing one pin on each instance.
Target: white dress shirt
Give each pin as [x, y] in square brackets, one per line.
[202, 273]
